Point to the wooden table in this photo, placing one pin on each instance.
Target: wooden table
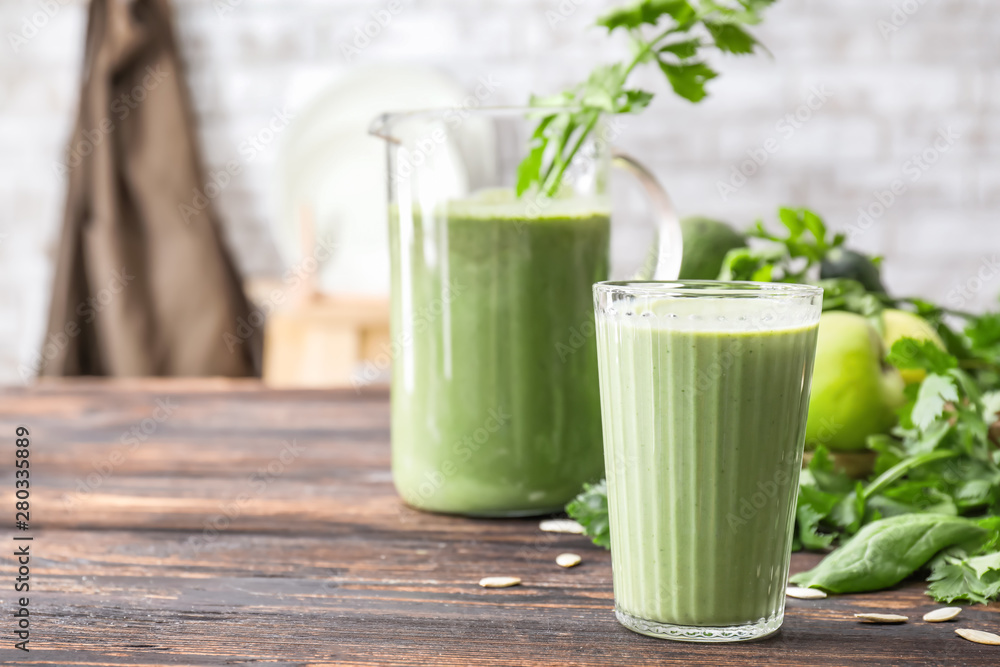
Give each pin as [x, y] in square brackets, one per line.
[216, 522]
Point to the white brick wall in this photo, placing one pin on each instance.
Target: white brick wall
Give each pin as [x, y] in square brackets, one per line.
[888, 98]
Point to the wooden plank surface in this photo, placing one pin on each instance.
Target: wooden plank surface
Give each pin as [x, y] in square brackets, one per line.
[252, 526]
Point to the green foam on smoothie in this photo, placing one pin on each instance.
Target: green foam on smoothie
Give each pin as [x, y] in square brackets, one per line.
[501, 204]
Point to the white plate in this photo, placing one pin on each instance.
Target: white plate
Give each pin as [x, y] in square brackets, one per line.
[330, 170]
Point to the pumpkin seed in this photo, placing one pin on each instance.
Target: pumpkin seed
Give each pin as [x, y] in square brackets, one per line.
[561, 526]
[943, 614]
[979, 636]
[499, 582]
[882, 618]
[804, 593]
[568, 560]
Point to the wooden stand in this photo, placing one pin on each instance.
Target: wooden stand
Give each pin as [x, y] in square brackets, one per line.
[313, 339]
[326, 341]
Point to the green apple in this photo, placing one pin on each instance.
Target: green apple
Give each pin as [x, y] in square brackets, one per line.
[901, 324]
[854, 392]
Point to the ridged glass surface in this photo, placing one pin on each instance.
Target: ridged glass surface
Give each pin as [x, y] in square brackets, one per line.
[704, 418]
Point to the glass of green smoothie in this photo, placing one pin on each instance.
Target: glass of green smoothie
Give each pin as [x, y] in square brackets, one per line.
[704, 394]
[495, 398]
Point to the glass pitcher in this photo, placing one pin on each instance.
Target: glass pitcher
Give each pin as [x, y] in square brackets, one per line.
[495, 399]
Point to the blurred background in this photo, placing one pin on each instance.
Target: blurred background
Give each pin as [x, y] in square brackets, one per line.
[860, 95]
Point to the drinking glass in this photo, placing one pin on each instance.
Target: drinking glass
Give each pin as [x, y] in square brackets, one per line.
[704, 395]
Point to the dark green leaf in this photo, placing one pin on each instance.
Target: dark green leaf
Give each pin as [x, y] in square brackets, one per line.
[826, 475]
[888, 449]
[745, 263]
[590, 510]
[912, 353]
[816, 227]
[687, 48]
[887, 551]
[992, 525]
[731, 38]
[688, 80]
[849, 513]
[912, 498]
[984, 333]
[647, 12]
[792, 219]
[635, 100]
[604, 91]
[814, 506]
[527, 170]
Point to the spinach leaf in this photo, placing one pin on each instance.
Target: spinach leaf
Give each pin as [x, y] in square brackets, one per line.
[885, 552]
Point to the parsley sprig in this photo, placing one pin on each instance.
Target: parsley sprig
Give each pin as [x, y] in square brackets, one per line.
[683, 31]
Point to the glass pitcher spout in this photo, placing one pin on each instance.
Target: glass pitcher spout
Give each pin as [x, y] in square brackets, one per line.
[381, 125]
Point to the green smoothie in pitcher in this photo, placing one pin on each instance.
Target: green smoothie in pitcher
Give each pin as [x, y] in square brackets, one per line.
[495, 403]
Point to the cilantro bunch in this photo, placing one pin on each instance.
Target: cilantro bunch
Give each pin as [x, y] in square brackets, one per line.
[681, 32]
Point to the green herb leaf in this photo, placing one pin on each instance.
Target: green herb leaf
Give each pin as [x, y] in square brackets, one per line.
[647, 12]
[731, 38]
[911, 353]
[887, 551]
[745, 263]
[816, 227]
[687, 48]
[849, 513]
[969, 579]
[590, 510]
[814, 506]
[635, 100]
[824, 474]
[984, 334]
[792, 219]
[678, 50]
[935, 391]
[688, 80]
[528, 168]
[975, 492]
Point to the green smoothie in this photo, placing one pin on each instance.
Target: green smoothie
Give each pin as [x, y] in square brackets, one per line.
[704, 403]
[495, 398]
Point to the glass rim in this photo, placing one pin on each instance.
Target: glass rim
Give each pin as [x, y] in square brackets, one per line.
[737, 289]
[379, 126]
